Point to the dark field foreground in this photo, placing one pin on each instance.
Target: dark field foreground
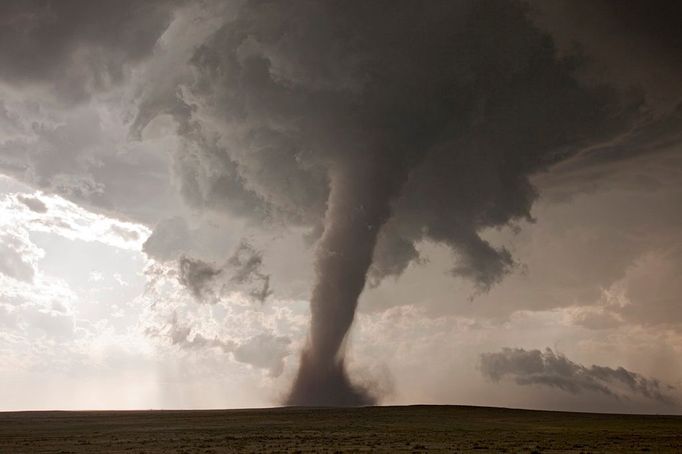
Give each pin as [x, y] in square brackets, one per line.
[374, 429]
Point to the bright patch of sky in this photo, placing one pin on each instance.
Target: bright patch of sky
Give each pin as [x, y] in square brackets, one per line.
[84, 313]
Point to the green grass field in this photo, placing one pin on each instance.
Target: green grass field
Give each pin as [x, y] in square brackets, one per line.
[373, 429]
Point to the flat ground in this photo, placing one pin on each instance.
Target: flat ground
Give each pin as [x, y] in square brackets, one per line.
[373, 429]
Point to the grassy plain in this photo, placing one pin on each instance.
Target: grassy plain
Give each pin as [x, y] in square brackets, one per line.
[372, 429]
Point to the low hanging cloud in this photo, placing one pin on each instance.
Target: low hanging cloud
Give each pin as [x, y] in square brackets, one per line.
[242, 270]
[265, 351]
[547, 368]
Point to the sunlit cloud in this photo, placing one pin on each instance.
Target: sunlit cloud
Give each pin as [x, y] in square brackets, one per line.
[41, 212]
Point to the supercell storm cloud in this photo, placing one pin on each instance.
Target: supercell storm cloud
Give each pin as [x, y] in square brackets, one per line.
[426, 116]
[372, 127]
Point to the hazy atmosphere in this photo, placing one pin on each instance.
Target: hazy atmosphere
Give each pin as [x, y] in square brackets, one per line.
[228, 204]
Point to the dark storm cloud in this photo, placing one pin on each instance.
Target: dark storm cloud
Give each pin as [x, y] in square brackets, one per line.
[500, 115]
[635, 44]
[534, 367]
[76, 46]
[242, 270]
[429, 117]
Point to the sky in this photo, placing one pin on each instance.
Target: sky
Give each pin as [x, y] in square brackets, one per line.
[209, 204]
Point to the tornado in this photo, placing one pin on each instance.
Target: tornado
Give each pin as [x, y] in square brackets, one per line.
[358, 206]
